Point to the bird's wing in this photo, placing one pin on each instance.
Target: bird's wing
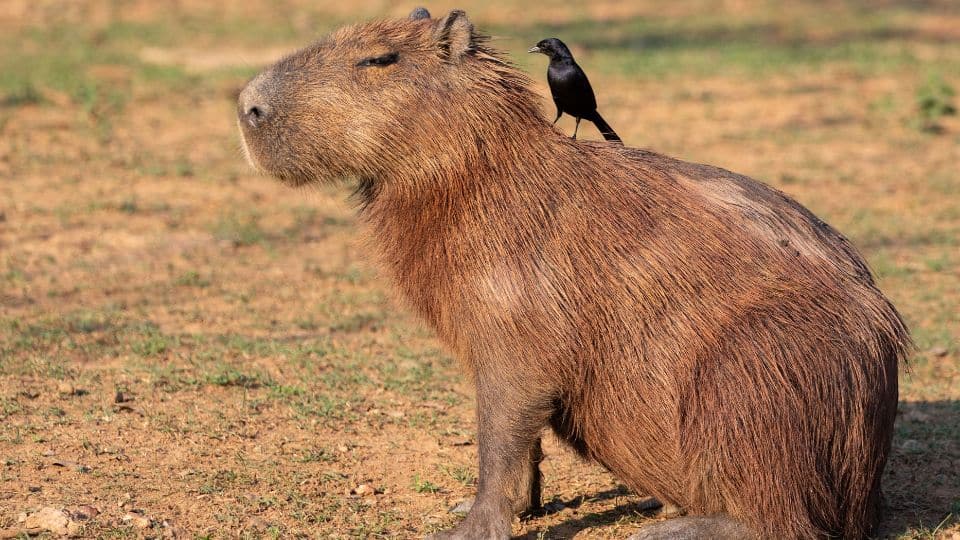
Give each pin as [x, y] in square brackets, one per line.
[581, 84]
[556, 101]
[571, 90]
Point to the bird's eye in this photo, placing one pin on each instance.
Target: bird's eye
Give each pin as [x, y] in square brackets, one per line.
[383, 60]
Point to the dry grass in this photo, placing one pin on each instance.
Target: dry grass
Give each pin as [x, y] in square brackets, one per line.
[264, 371]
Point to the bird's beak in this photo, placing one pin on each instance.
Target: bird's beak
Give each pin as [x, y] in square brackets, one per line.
[534, 49]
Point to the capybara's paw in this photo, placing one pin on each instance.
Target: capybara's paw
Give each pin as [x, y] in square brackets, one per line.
[474, 528]
[467, 533]
[695, 528]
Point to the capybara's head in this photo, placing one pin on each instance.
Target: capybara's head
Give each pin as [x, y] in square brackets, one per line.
[375, 97]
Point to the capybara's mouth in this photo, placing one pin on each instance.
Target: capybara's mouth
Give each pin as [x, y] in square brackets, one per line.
[259, 159]
[255, 118]
[245, 147]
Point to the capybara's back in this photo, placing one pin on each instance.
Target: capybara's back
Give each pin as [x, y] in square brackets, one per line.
[703, 336]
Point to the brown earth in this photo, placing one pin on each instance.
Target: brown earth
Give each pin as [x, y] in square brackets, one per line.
[196, 351]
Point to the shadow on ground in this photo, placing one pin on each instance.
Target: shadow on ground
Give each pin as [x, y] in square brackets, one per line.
[570, 528]
[922, 481]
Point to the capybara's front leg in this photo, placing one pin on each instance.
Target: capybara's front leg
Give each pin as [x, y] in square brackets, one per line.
[531, 505]
[508, 432]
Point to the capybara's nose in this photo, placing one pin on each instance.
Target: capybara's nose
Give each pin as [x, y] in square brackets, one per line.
[252, 107]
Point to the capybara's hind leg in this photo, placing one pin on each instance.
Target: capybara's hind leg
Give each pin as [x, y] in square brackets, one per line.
[532, 503]
[696, 528]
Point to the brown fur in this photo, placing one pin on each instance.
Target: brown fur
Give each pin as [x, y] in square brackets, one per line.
[700, 334]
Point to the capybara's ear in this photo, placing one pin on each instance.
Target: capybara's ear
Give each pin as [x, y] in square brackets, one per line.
[419, 13]
[455, 36]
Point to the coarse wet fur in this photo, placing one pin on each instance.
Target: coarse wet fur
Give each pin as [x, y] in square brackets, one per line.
[703, 336]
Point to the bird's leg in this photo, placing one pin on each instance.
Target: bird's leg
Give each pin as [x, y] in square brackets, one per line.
[576, 128]
[557, 119]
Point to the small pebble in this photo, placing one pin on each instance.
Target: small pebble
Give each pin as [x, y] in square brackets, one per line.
[462, 507]
[364, 490]
[912, 445]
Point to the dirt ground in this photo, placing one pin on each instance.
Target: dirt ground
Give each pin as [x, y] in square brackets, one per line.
[190, 350]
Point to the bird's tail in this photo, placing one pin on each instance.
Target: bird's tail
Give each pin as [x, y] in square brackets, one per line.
[605, 129]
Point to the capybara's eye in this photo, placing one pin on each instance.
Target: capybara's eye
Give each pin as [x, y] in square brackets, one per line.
[383, 60]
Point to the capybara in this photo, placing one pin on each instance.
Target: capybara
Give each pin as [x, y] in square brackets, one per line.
[701, 335]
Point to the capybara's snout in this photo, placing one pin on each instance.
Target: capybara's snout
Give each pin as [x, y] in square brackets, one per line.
[257, 107]
[253, 106]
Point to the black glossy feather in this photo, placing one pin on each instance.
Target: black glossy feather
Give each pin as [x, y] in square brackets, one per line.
[570, 87]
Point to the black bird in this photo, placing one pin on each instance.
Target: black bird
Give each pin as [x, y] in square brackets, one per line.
[570, 87]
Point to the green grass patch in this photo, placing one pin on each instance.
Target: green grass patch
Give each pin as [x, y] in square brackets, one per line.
[869, 41]
[58, 56]
[9, 407]
[935, 101]
[358, 322]
[231, 376]
[317, 455]
[464, 475]
[148, 341]
[191, 278]
[240, 229]
[324, 407]
[422, 485]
